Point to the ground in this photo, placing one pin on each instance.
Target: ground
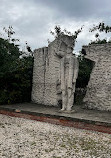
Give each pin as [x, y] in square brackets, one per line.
[22, 138]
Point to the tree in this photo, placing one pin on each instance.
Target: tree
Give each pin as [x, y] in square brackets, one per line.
[101, 27]
[58, 32]
[85, 69]
[15, 72]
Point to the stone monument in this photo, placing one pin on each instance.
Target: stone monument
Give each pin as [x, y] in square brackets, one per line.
[55, 73]
[98, 95]
[68, 75]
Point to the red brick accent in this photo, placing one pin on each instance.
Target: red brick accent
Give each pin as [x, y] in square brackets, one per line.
[60, 121]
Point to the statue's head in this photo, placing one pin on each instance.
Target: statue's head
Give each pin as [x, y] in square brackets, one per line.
[69, 49]
[62, 49]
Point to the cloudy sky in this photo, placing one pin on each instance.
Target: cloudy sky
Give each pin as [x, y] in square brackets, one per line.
[32, 20]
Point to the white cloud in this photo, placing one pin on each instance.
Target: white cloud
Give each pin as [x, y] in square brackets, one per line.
[32, 20]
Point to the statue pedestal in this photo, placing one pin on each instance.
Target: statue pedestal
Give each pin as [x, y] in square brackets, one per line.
[67, 111]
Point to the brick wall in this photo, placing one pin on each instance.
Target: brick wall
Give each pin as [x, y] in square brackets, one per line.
[98, 95]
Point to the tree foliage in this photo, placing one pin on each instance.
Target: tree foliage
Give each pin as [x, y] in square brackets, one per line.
[15, 72]
[101, 27]
[85, 68]
[58, 32]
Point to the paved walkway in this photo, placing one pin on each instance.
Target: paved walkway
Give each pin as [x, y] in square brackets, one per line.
[99, 118]
[80, 113]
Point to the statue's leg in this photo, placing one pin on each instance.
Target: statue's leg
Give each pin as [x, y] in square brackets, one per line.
[70, 99]
[64, 100]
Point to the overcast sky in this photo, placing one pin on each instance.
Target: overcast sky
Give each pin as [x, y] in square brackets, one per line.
[32, 20]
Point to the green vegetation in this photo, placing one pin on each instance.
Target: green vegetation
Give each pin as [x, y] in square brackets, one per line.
[85, 68]
[101, 27]
[15, 72]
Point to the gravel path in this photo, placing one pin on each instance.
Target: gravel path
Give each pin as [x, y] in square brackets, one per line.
[22, 138]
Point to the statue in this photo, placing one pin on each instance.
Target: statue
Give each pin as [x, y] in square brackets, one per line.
[69, 67]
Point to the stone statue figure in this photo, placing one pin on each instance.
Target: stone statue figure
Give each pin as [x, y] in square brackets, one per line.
[69, 67]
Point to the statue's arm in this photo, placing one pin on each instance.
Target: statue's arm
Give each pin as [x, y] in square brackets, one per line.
[76, 70]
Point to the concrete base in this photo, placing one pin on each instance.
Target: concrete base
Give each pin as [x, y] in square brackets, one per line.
[82, 118]
[66, 111]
